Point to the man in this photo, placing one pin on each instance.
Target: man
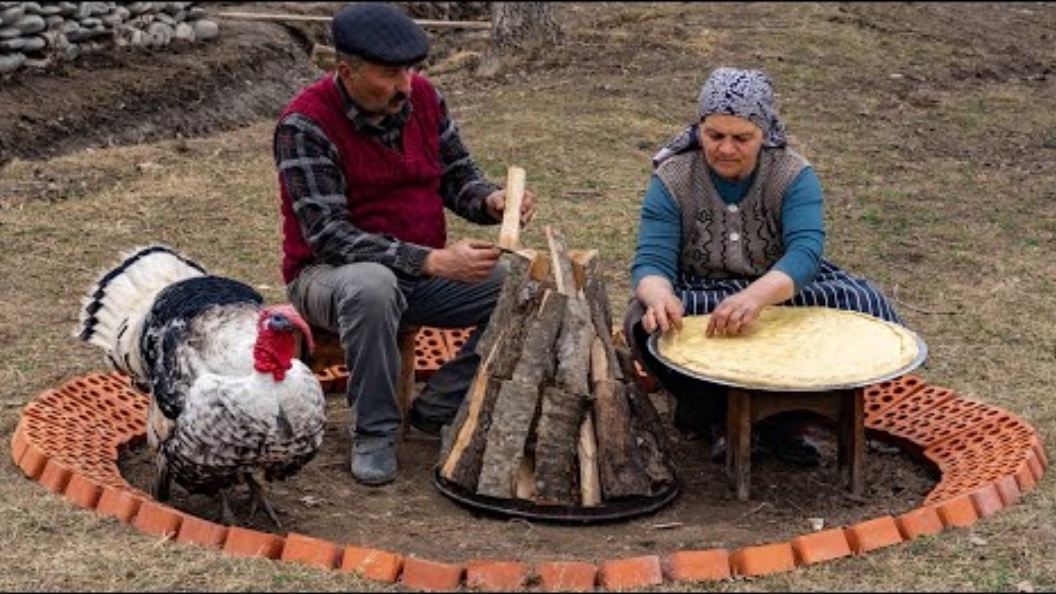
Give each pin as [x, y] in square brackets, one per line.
[368, 158]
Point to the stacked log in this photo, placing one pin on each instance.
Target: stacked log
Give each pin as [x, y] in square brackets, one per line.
[554, 415]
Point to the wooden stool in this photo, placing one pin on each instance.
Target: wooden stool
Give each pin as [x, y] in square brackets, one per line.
[746, 407]
[329, 353]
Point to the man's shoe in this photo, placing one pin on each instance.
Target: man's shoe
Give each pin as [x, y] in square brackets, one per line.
[374, 460]
[426, 425]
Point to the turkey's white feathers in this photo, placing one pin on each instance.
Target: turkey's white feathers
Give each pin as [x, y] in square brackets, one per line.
[227, 398]
[112, 313]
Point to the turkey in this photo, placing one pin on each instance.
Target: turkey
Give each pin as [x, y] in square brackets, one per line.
[229, 402]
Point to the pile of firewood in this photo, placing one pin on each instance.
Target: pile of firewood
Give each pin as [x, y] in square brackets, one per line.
[555, 415]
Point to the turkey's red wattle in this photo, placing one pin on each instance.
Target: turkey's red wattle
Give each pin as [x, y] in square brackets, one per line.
[273, 353]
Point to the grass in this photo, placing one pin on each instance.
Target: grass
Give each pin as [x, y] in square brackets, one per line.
[939, 187]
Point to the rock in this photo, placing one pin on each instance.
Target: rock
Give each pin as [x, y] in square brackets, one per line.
[204, 29]
[31, 23]
[12, 15]
[11, 62]
[185, 32]
[139, 7]
[12, 45]
[34, 44]
[160, 34]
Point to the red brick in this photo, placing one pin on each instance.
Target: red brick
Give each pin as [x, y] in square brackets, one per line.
[958, 512]
[244, 542]
[83, 491]
[1036, 467]
[698, 566]
[566, 576]
[55, 477]
[820, 546]
[32, 461]
[1008, 488]
[380, 566]
[1025, 477]
[432, 576]
[873, 534]
[919, 522]
[630, 573]
[879, 397]
[19, 441]
[157, 519]
[496, 576]
[763, 559]
[326, 380]
[987, 501]
[340, 374]
[119, 503]
[194, 530]
[1039, 451]
[308, 550]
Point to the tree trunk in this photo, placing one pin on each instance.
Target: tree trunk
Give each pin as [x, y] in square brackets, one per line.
[518, 26]
[515, 23]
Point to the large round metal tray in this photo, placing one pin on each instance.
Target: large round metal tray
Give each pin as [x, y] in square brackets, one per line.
[922, 355]
[519, 508]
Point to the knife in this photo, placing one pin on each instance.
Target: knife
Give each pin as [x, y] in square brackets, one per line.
[504, 249]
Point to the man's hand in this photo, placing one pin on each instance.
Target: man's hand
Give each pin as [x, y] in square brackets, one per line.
[495, 204]
[467, 260]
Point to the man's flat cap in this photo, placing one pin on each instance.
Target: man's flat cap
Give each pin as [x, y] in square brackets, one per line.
[380, 33]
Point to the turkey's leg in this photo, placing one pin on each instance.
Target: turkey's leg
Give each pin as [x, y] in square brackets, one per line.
[257, 493]
[227, 516]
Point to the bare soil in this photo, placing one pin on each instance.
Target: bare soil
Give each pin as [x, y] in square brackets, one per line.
[254, 68]
[413, 516]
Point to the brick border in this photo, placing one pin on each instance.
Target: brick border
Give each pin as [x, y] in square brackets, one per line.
[68, 439]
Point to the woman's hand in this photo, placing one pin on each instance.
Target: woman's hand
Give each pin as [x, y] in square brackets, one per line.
[662, 309]
[734, 314]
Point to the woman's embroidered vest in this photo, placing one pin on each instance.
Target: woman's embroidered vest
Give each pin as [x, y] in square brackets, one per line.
[721, 240]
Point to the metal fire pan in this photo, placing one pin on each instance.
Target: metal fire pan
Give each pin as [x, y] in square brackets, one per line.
[608, 511]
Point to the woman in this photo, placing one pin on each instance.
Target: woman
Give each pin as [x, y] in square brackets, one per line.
[732, 222]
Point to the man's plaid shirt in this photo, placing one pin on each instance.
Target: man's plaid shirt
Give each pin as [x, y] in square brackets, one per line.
[309, 165]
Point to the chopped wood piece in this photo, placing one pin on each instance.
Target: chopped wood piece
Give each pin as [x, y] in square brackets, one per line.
[556, 447]
[590, 484]
[518, 400]
[510, 232]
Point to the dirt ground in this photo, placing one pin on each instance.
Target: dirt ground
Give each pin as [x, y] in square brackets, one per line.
[253, 68]
[413, 516]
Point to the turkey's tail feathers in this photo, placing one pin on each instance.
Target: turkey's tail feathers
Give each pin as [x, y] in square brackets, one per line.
[113, 311]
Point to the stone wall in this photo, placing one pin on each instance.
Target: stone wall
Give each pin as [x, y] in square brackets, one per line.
[38, 34]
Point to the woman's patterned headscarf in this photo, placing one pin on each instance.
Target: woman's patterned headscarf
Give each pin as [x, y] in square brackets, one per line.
[744, 93]
[732, 91]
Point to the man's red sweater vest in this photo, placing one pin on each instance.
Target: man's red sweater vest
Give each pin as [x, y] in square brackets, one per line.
[389, 192]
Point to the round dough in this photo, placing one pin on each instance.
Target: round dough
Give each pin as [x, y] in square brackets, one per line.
[794, 348]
